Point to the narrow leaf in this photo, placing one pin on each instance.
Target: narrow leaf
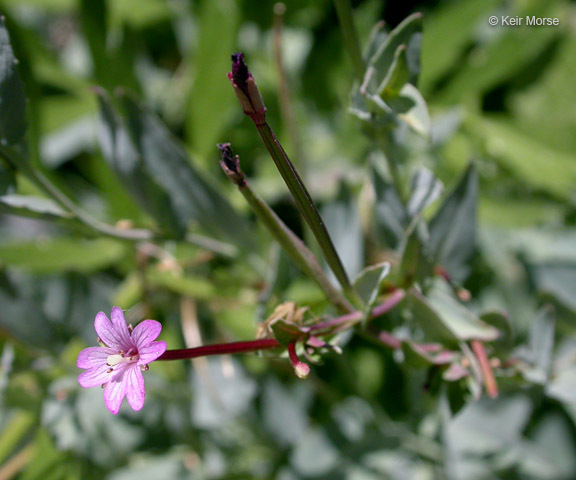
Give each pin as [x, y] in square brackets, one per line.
[12, 96]
[453, 229]
[192, 197]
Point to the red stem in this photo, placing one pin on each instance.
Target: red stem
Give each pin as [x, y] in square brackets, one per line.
[487, 373]
[269, 343]
[220, 349]
[394, 299]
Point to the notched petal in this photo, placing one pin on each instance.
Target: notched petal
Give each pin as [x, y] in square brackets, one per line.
[94, 377]
[114, 394]
[135, 390]
[151, 352]
[93, 357]
[145, 333]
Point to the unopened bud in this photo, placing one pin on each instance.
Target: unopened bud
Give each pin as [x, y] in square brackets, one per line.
[302, 370]
[230, 163]
[246, 90]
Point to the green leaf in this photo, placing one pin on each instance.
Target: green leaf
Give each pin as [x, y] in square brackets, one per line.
[429, 320]
[378, 37]
[417, 263]
[397, 75]
[410, 107]
[453, 228]
[211, 99]
[193, 286]
[500, 321]
[406, 33]
[120, 153]
[379, 274]
[461, 321]
[559, 280]
[285, 332]
[540, 349]
[343, 223]
[33, 207]
[369, 281]
[12, 96]
[390, 216]
[529, 160]
[425, 189]
[62, 254]
[192, 197]
[440, 51]
[445, 320]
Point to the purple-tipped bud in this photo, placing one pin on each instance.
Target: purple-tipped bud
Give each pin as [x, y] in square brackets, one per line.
[246, 90]
[230, 163]
[240, 73]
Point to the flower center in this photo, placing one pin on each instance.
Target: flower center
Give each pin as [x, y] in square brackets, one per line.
[119, 358]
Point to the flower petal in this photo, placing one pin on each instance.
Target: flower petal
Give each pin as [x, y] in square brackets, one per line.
[109, 334]
[94, 377]
[135, 391]
[145, 333]
[120, 325]
[114, 393]
[93, 357]
[151, 352]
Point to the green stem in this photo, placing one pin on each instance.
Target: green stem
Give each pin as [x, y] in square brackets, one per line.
[344, 11]
[294, 247]
[307, 207]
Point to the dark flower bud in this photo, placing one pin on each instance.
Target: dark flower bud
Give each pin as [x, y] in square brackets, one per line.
[230, 163]
[246, 90]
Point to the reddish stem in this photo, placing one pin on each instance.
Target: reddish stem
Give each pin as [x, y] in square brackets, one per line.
[487, 373]
[394, 299]
[220, 349]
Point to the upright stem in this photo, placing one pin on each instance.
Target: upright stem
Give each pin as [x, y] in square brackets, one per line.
[307, 207]
[294, 247]
[351, 42]
[291, 244]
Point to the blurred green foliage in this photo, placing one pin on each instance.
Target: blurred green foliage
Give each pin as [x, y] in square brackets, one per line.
[500, 97]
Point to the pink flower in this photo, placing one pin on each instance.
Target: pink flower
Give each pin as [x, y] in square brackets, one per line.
[117, 365]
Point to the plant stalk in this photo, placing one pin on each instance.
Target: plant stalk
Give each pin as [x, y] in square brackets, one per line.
[287, 239]
[307, 208]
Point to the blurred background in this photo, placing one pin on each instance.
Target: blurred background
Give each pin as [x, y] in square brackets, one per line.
[502, 97]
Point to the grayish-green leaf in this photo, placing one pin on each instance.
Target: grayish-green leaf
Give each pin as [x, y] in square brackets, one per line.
[390, 217]
[12, 96]
[62, 254]
[453, 229]
[192, 197]
[425, 189]
[343, 223]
